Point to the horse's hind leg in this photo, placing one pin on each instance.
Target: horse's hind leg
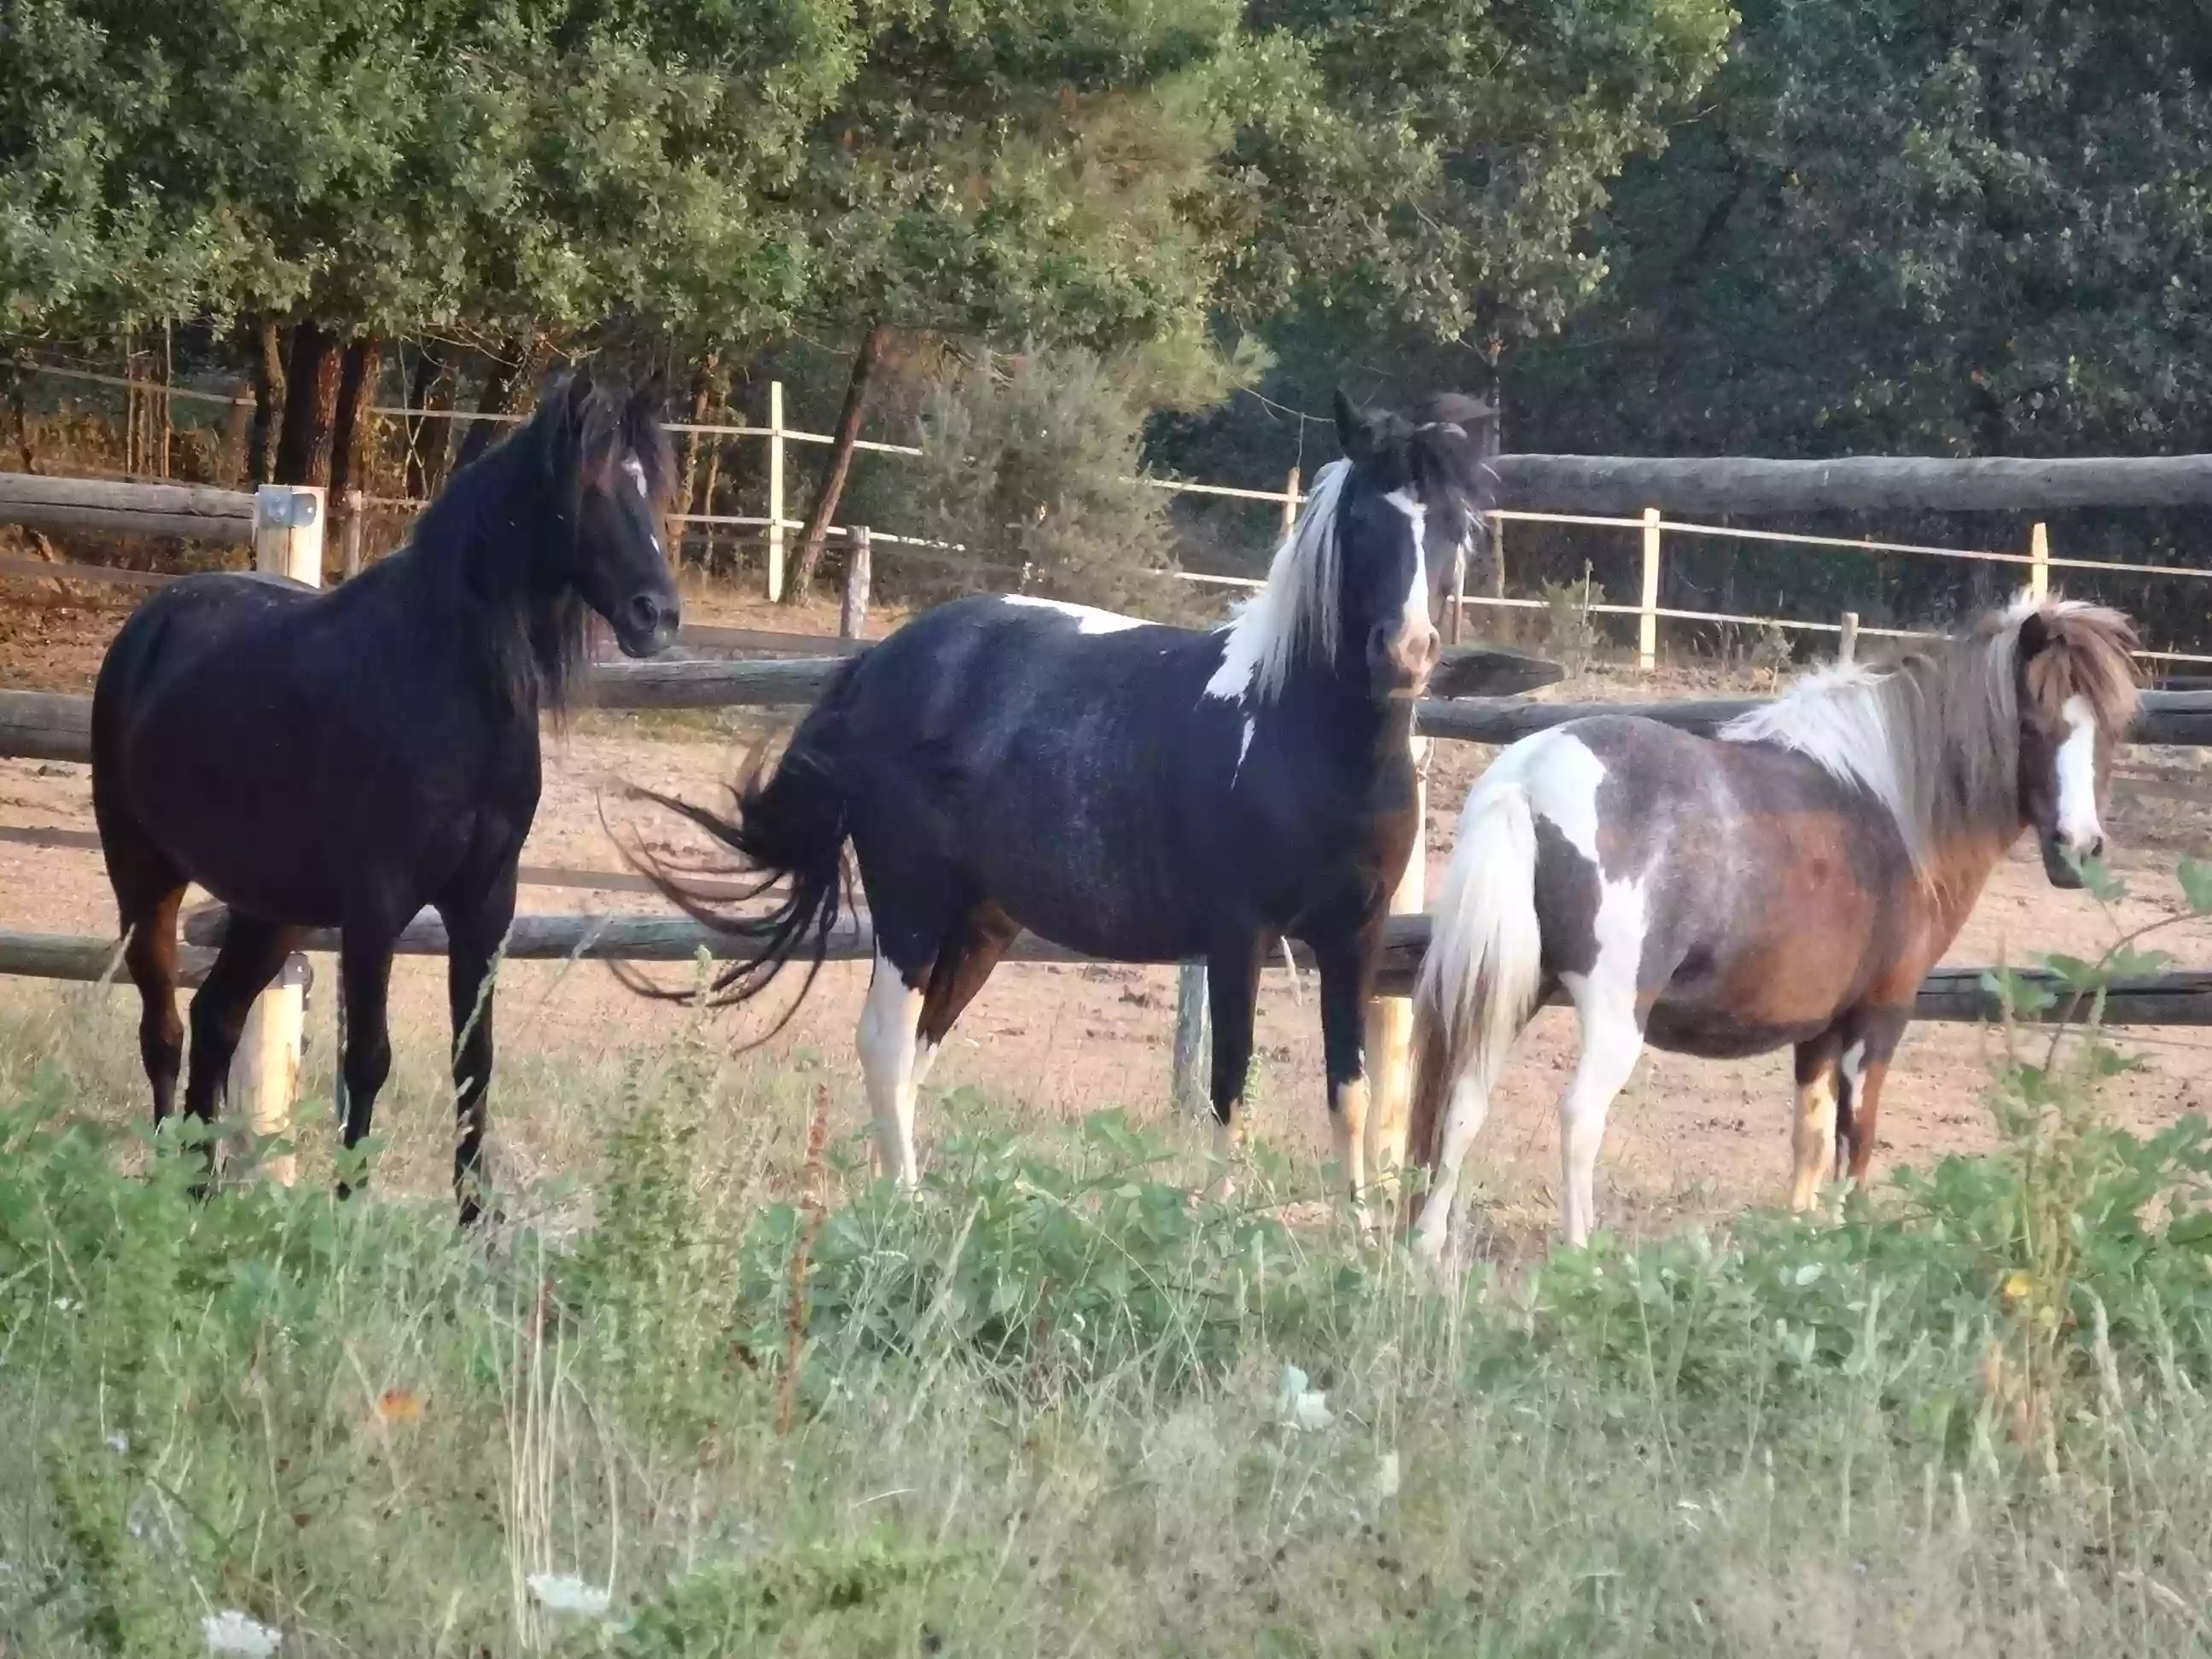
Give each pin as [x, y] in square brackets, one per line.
[1813, 1144]
[148, 890]
[973, 948]
[252, 953]
[1612, 1041]
[151, 957]
[1233, 994]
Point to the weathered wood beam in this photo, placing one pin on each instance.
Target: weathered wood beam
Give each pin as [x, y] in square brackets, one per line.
[704, 682]
[45, 725]
[1948, 995]
[194, 511]
[85, 958]
[1624, 485]
[53, 726]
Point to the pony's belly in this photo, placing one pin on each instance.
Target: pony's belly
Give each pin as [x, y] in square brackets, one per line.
[1709, 1032]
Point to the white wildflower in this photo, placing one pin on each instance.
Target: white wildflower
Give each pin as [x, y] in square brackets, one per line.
[1384, 1486]
[1298, 1405]
[561, 1592]
[119, 1443]
[231, 1632]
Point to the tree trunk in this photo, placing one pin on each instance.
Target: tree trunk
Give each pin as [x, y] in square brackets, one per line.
[702, 394]
[519, 366]
[426, 438]
[706, 503]
[357, 372]
[265, 364]
[18, 408]
[311, 373]
[819, 515]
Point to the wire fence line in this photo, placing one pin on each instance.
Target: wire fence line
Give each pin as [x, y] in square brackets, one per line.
[775, 526]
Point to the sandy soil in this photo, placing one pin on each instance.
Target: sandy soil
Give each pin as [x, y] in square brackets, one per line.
[1685, 1135]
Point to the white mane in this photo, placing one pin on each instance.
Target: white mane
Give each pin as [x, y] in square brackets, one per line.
[1296, 611]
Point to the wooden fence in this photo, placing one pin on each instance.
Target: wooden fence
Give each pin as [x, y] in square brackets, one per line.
[1653, 498]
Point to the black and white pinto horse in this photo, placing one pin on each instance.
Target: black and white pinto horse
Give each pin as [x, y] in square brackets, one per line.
[1787, 884]
[1131, 791]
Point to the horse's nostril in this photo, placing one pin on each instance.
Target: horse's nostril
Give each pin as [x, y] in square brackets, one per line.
[644, 613]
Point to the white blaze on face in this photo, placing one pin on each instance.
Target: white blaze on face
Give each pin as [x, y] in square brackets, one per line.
[2078, 825]
[635, 468]
[1416, 617]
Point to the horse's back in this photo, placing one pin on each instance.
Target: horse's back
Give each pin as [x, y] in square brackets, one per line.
[1044, 751]
[1766, 891]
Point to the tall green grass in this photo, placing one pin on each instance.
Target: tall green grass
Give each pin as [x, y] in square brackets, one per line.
[737, 1401]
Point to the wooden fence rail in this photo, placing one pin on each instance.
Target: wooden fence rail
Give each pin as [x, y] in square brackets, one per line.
[1955, 995]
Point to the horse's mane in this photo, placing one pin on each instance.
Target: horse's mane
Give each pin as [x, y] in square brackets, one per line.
[1448, 460]
[1935, 734]
[575, 441]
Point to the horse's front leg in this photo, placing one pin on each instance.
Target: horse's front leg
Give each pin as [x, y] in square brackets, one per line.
[364, 986]
[1343, 958]
[476, 932]
[1232, 989]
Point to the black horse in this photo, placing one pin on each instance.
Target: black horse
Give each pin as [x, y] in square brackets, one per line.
[342, 759]
[1135, 792]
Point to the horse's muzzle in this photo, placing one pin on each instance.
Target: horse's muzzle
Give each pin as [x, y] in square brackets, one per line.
[2062, 872]
[647, 625]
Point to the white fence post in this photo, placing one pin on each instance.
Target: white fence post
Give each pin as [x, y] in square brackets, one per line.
[774, 490]
[356, 502]
[264, 1073]
[1647, 621]
[1847, 641]
[1290, 504]
[1191, 1089]
[2039, 561]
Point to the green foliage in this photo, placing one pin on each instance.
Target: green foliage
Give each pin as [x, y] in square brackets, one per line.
[1046, 1275]
[1040, 1402]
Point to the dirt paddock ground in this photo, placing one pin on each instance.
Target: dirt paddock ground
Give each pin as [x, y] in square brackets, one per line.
[1686, 1136]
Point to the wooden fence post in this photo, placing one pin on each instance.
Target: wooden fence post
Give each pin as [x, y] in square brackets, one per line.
[1847, 641]
[1290, 504]
[1646, 623]
[774, 490]
[1390, 1020]
[356, 505]
[853, 613]
[264, 1073]
[1191, 1090]
[2038, 560]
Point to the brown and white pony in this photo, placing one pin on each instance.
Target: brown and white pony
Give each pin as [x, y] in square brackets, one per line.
[1787, 883]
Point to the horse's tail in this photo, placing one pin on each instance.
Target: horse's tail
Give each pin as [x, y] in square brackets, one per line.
[789, 827]
[1485, 963]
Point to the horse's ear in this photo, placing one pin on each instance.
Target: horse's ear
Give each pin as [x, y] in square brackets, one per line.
[1355, 429]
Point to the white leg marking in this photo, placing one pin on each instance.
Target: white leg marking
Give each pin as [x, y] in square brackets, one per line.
[1611, 1040]
[887, 1062]
[925, 1056]
[2078, 825]
[1348, 1124]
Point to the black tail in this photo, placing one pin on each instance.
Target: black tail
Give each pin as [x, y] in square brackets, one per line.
[789, 826]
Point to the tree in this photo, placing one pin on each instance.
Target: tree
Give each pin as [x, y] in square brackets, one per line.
[1014, 173]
